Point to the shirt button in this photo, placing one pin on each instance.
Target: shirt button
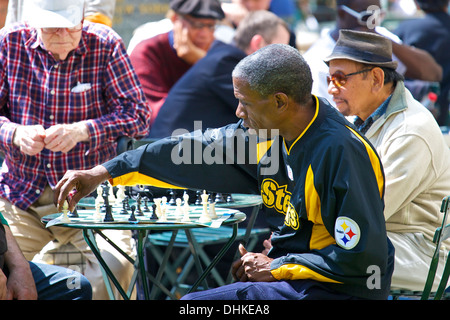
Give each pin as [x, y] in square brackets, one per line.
[52, 92]
[38, 191]
[51, 117]
[49, 165]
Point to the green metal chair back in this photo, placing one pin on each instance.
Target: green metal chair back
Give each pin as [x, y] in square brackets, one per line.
[442, 233]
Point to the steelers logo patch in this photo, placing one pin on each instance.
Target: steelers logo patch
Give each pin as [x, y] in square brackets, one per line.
[346, 233]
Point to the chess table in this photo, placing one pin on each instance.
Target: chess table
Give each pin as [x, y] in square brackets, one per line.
[226, 216]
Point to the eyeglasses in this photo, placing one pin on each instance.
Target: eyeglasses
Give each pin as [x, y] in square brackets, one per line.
[199, 25]
[363, 16]
[70, 30]
[339, 79]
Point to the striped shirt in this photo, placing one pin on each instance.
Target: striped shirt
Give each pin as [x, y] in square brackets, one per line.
[96, 82]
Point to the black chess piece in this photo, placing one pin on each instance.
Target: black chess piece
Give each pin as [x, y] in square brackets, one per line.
[127, 197]
[146, 208]
[219, 198]
[124, 206]
[154, 215]
[73, 214]
[108, 213]
[138, 203]
[230, 198]
[173, 197]
[132, 217]
[198, 201]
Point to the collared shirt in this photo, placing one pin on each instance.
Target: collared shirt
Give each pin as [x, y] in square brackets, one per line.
[363, 126]
[96, 83]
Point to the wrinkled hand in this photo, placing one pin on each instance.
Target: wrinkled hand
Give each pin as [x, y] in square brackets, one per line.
[252, 267]
[30, 139]
[63, 137]
[83, 181]
[183, 45]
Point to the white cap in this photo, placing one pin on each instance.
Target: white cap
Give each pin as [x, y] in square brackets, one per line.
[53, 13]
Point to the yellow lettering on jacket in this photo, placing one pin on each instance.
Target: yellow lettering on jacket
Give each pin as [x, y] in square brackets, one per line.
[279, 198]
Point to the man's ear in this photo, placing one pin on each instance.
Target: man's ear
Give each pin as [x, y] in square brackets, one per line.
[377, 79]
[256, 43]
[281, 100]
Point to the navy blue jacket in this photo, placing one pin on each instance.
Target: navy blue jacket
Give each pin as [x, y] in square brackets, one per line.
[204, 93]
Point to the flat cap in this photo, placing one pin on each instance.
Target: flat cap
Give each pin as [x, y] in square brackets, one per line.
[208, 9]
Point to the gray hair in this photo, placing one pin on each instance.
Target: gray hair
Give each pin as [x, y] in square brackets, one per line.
[260, 22]
[277, 68]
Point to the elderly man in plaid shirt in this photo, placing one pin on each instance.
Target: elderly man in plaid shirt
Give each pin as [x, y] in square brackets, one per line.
[67, 93]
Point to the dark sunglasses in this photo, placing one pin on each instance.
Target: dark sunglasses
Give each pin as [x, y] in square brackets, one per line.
[339, 79]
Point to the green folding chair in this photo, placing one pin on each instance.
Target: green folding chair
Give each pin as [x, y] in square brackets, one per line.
[442, 233]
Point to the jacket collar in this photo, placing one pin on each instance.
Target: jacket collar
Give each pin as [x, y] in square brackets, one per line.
[397, 104]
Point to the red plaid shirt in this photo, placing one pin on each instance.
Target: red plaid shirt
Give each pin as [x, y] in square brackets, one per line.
[37, 89]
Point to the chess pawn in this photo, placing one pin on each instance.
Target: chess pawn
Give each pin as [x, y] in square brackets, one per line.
[124, 207]
[178, 210]
[212, 210]
[219, 198]
[186, 208]
[163, 217]
[154, 216]
[132, 217]
[97, 215]
[65, 217]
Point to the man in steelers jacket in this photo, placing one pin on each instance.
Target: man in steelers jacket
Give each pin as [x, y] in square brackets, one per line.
[322, 190]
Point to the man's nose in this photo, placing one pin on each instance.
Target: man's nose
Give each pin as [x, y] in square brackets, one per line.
[240, 113]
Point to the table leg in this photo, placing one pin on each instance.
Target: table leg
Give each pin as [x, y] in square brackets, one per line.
[216, 259]
[90, 240]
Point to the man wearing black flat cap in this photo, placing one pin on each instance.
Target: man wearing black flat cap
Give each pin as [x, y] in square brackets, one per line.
[161, 60]
[416, 160]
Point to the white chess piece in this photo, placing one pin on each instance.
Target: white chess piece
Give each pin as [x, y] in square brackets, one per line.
[65, 217]
[111, 197]
[186, 208]
[163, 216]
[97, 215]
[212, 210]
[178, 211]
[157, 202]
[205, 215]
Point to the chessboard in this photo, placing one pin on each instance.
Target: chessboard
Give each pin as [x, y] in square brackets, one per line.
[123, 210]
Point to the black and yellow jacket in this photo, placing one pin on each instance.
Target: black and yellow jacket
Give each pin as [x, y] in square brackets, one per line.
[322, 194]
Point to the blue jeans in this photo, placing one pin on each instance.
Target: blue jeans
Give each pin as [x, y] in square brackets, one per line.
[58, 283]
